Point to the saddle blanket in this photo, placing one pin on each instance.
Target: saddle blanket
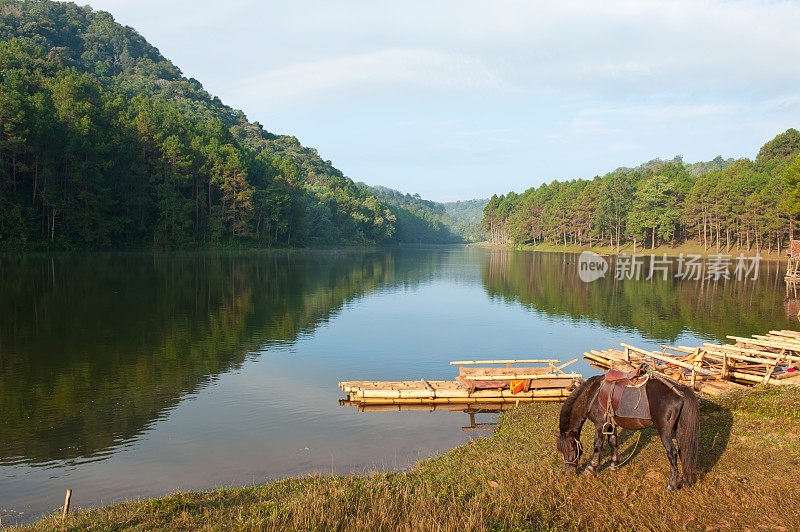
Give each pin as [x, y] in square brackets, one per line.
[633, 404]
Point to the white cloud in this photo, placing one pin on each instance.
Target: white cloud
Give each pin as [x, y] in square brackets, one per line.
[617, 47]
[399, 67]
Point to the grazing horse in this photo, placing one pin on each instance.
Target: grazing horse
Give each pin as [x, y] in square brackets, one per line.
[670, 406]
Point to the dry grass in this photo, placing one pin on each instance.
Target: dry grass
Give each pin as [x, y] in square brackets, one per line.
[750, 458]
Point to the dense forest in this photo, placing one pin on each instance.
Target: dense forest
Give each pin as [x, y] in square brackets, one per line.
[417, 220]
[431, 222]
[466, 218]
[742, 204]
[105, 144]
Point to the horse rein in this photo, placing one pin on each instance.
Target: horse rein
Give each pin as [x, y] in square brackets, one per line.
[578, 453]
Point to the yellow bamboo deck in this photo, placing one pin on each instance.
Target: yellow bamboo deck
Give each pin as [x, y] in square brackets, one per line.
[442, 392]
[541, 383]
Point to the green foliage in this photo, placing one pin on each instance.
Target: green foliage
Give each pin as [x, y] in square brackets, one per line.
[783, 147]
[791, 178]
[418, 220]
[653, 209]
[103, 143]
[694, 169]
[741, 204]
[466, 218]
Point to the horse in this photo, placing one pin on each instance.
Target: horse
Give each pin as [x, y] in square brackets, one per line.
[672, 408]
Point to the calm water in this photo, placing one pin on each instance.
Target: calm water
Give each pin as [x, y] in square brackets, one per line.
[128, 375]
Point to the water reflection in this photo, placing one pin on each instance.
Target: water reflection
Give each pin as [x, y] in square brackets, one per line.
[471, 410]
[107, 360]
[659, 309]
[96, 348]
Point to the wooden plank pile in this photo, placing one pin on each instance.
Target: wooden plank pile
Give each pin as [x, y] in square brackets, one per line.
[773, 359]
[495, 385]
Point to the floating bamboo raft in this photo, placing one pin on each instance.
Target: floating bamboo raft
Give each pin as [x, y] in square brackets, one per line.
[773, 359]
[473, 385]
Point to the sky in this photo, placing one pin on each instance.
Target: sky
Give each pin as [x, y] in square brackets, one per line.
[460, 99]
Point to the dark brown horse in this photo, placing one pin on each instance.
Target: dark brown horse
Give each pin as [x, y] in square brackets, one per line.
[673, 409]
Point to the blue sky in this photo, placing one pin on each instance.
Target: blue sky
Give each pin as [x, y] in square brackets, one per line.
[461, 99]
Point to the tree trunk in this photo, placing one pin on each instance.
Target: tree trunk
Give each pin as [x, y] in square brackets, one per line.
[699, 236]
[703, 243]
[728, 239]
[653, 244]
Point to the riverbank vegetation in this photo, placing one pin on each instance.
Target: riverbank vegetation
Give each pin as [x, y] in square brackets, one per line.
[513, 480]
[689, 247]
[742, 205]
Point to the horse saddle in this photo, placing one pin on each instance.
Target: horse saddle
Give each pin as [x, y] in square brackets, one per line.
[626, 392]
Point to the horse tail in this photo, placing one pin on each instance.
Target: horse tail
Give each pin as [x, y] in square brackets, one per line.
[688, 434]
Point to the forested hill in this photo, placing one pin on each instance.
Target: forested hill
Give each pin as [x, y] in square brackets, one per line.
[466, 216]
[421, 220]
[744, 205]
[104, 143]
[418, 220]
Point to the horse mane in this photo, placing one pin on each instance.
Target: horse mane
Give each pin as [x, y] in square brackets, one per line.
[565, 418]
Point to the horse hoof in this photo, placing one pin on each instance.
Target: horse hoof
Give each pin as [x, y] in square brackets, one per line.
[670, 487]
[613, 467]
[589, 470]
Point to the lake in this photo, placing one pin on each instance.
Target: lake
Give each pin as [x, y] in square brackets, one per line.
[128, 375]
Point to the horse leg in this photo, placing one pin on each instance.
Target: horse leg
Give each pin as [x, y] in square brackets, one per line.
[598, 447]
[672, 455]
[612, 440]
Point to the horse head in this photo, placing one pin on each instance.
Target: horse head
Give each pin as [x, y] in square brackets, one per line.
[570, 447]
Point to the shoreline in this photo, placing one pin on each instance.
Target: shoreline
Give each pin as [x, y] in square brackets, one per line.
[513, 479]
[627, 249]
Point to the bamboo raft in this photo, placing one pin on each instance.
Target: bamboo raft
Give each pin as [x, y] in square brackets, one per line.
[773, 359]
[473, 385]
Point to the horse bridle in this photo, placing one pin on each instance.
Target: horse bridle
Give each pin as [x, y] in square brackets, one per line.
[578, 453]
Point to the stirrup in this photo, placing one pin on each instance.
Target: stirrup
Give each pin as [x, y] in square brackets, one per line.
[610, 431]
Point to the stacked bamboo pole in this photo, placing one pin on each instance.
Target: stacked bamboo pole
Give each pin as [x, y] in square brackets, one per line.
[711, 368]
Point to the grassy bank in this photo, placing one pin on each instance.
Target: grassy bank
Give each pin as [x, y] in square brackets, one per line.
[671, 251]
[513, 480]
